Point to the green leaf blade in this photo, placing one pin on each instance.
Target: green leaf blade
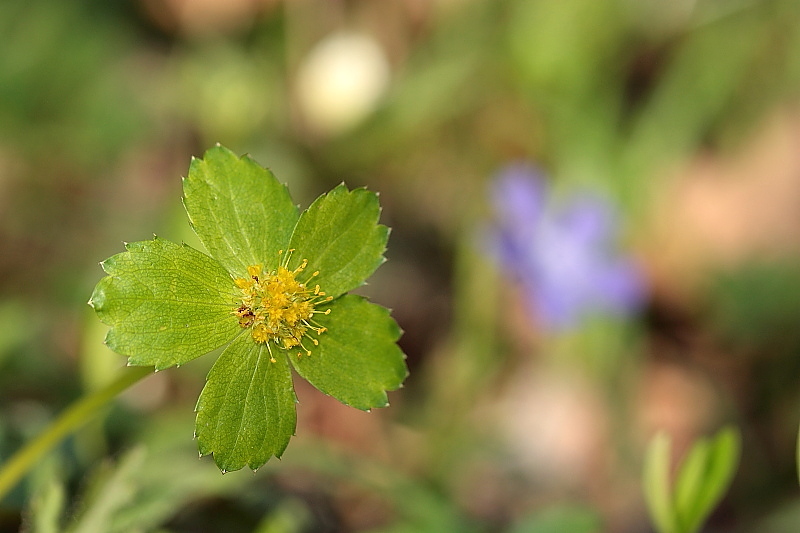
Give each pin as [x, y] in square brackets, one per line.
[690, 483]
[238, 209]
[357, 359]
[165, 303]
[246, 411]
[340, 237]
[656, 484]
[720, 467]
[47, 508]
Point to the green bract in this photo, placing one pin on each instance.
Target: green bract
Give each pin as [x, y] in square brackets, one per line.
[272, 291]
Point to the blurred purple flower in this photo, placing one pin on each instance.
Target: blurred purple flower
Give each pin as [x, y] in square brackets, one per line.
[563, 255]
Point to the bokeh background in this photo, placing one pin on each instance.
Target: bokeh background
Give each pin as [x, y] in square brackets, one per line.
[684, 115]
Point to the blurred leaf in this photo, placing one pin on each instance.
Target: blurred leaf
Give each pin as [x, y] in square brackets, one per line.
[418, 507]
[15, 327]
[570, 56]
[230, 92]
[564, 49]
[657, 487]
[773, 76]
[705, 476]
[695, 89]
[446, 77]
[66, 87]
[138, 493]
[290, 516]
[561, 519]
[171, 478]
[759, 303]
[110, 490]
[703, 479]
[723, 463]
[691, 480]
[98, 364]
[784, 519]
[421, 510]
[47, 507]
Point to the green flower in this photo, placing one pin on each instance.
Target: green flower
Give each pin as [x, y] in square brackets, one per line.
[272, 290]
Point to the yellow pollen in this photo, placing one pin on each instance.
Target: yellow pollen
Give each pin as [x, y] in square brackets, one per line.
[279, 308]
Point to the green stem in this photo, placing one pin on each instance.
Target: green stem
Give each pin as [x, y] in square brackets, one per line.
[69, 420]
[798, 455]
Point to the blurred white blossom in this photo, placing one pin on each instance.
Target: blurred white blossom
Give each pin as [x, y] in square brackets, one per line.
[341, 81]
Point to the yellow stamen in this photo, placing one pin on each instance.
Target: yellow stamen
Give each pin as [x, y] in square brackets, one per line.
[278, 308]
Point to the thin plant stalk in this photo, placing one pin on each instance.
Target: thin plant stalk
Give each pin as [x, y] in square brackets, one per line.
[70, 420]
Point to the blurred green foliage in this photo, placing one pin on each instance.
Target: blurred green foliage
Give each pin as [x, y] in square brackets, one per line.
[103, 103]
[67, 89]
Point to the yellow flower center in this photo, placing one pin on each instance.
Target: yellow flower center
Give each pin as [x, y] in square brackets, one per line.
[279, 308]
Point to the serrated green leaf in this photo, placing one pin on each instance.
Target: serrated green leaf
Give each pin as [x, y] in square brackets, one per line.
[165, 303]
[246, 412]
[720, 466]
[357, 359]
[340, 237]
[656, 485]
[240, 212]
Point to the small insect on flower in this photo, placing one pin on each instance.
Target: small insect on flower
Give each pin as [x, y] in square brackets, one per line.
[268, 308]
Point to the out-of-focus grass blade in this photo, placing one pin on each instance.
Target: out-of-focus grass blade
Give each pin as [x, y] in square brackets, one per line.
[47, 507]
[722, 459]
[571, 518]
[691, 481]
[656, 485]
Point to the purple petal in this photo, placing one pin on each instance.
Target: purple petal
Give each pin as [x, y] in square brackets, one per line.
[563, 255]
[623, 288]
[519, 195]
[588, 219]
